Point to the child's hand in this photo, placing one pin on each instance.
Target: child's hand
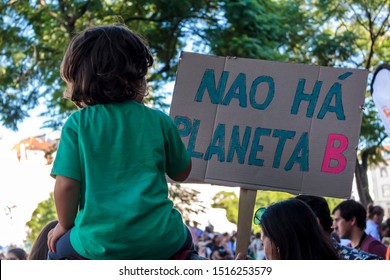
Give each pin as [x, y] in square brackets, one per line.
[54, 235]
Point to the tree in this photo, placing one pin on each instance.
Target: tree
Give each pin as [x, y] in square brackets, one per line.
[342, 33]
[347, 33]
[34, 35]
[369, 20]
[229, 201]
[289, 30]
[43, 214]
[185, 200]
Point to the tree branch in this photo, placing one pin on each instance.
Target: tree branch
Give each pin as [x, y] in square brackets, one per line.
[70, 20]
[53, 14]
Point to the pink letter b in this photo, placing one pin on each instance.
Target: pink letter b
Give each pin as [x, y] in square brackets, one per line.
[335, 153]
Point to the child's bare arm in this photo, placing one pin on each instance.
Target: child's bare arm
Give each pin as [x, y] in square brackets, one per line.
[181, 176]
[66, 196]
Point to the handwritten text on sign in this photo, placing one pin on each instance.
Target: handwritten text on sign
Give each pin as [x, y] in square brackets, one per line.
[268, 125]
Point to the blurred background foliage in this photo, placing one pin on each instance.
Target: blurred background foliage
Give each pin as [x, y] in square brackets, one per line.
[337, 33]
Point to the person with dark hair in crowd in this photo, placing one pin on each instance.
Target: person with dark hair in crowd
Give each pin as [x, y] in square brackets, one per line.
[349, 223]
[229, 240]
[219, 249]
[209, 230]
[111, 192]
[291, 232]
[40, 250]
[321, 209]
[374, 219]
[17, 254]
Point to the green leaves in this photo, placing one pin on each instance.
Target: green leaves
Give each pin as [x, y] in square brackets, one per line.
[34, 36]
[228, 201]
[185, 200]
[43, 214]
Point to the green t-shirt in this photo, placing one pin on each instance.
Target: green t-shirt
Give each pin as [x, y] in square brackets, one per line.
[120, 153]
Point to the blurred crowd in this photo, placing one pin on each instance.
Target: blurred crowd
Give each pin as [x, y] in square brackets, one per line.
[222, 246]
[355, 232]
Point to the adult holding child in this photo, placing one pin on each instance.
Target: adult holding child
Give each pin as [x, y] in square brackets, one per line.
[40, 249]
[110, 190]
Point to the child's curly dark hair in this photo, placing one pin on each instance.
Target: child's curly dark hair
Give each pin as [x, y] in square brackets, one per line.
[105, 64]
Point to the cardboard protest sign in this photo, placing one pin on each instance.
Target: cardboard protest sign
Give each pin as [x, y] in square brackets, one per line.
[269, 125]
[380, 90]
